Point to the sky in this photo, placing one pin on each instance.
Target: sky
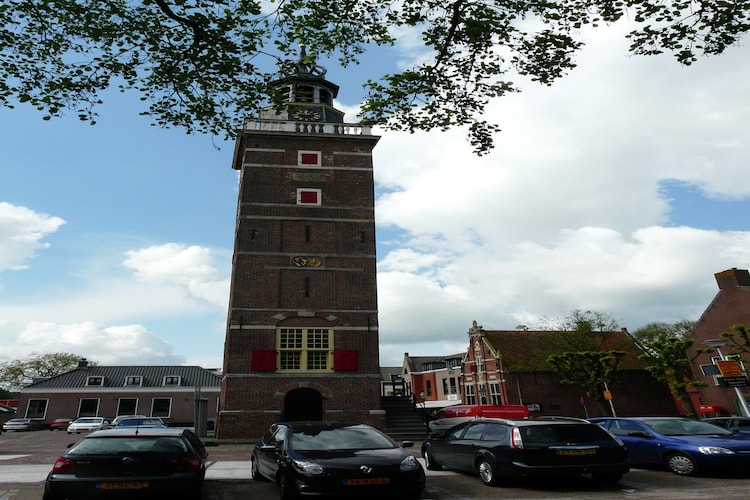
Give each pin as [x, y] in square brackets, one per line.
[620, 189]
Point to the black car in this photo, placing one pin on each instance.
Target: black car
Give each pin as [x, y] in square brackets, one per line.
[504, 449]
[336, 459]
[138, 462]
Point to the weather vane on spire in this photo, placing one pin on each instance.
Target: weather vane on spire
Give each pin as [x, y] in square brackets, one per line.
[303, 66]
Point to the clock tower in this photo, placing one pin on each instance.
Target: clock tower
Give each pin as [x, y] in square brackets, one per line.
[302, 328]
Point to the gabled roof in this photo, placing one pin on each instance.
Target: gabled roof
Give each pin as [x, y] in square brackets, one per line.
[419, 363]
[114, 376]
[527, 351]
[387, 371]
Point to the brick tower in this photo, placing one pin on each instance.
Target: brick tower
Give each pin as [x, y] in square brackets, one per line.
[302, 328]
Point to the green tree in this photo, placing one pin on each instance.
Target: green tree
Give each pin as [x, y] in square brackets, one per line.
[738, 338]
[203, 65]
[581, 330]
[17, 373]
[593, 371]
[664, 347]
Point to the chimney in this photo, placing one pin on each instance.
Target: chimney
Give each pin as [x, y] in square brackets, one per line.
[83, 363]
[732, 278]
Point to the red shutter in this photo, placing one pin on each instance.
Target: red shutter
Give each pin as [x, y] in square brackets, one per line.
[309, 158]
[264, 361]
[344, 360]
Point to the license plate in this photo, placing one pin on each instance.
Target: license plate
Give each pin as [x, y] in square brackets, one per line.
[590, 451]
[366, 481]
[126, 485]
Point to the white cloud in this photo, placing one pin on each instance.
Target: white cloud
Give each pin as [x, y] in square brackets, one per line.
[21, 234]
[122, 345]
[568, 211]
[189, 267]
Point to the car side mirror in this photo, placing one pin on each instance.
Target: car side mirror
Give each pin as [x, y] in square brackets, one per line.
[407, 444]
[268, 447]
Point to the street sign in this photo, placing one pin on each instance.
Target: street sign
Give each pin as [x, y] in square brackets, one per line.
[729, 368]
[733, 381]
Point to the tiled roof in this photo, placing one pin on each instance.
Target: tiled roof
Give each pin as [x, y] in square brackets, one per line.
[527, 351]
[387, 371]
[114, 376]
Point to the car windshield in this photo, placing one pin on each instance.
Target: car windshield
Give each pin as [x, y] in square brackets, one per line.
[563, 434]
[342, 438]
[87, 420]
[128, 445]
[685, 427]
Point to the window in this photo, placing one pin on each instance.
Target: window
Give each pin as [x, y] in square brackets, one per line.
[311, 158]
[305, 349]
[428, 384]
[95, 381]
[161, 407]
[495, 394]
[170, 380]
[88, 407]
[470, 397]
[127, 406]
[133, 381]
[37, 408]
[307, 196]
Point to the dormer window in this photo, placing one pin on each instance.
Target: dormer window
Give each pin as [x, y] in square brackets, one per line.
[171, 380]
[133, 381]
[96, 381]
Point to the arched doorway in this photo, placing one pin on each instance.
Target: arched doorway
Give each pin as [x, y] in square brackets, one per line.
[303, 405]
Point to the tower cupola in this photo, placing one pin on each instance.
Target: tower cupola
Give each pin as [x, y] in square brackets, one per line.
[304, 92]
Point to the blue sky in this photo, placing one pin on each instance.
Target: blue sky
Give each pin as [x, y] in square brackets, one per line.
[623, 188]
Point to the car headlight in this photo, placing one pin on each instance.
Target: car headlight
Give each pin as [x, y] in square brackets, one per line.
[309, 468]
[714, 450]
[409, 463]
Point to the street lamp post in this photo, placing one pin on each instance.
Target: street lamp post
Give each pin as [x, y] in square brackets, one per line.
[718, 344]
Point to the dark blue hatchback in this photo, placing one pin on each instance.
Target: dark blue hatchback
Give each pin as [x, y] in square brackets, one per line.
[685, 446]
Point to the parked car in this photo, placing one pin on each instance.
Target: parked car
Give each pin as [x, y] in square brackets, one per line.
[153, 462]
[21, 424]
[734, 424]
[449, 416]
[118, 418]
[87, 424]
[685, 446]
[60, 424]
[140, 422]
[336, 459]
[498, 450]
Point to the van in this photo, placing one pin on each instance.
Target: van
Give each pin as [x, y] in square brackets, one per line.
[453, 415]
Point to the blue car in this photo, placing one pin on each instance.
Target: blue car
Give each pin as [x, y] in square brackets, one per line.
[685, 446]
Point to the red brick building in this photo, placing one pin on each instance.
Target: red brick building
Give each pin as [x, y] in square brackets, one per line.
[302, 329]
[509, 367]
[730, 306]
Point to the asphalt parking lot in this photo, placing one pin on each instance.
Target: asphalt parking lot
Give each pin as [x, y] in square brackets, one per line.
[26, 457]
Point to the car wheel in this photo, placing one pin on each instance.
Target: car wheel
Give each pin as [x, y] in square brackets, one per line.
[681, 464]
[286, 490]
[254, 471]
[610, 478]
[487, 472]
[430, 462]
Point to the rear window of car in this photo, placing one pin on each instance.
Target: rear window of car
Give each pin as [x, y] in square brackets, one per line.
[564, 434]
[129, 445]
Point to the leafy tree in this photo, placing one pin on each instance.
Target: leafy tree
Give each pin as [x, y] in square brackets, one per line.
[665, 348]
[590, 370]
[17, 373]
[204, 64]
[739, 340]
[581, 330]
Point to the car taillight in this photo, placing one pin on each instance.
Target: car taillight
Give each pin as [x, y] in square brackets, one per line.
[64, 466]
[189, 464]
[515, 438]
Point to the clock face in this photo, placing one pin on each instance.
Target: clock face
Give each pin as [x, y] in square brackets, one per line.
[306, 115]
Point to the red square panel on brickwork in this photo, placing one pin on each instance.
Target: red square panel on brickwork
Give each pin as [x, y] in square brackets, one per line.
[263, 360]
[344, 360]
